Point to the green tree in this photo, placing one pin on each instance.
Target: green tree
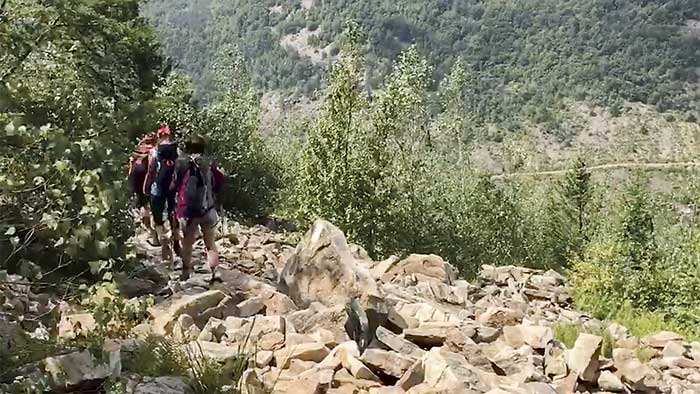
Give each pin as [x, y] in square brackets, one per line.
[74, 77]
[637, 228]
[570, 214]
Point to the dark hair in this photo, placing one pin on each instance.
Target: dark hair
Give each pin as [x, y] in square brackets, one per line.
[196, 144]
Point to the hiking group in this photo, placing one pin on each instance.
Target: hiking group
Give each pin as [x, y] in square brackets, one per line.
[179, 188]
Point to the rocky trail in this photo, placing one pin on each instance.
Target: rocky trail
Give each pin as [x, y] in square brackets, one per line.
[322, 317]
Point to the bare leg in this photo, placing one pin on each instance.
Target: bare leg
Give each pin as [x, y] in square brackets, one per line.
[176, 234]
[209, 235]
[186, 251]
[166, 252]
[148, 223]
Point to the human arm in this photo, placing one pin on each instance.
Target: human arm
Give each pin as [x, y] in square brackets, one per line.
[150, 174]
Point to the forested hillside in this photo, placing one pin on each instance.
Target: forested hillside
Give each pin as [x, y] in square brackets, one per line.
[522, 56]
[389, 159]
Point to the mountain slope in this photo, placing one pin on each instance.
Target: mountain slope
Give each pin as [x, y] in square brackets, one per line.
[524, 56]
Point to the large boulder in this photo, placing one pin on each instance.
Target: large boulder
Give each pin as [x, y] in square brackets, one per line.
[323, 269]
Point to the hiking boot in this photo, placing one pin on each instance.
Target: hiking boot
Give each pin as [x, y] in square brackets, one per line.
[153, 240]
[186, 273]
[214, 279]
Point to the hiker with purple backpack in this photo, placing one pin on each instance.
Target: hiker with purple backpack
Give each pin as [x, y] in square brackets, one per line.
[197, 181]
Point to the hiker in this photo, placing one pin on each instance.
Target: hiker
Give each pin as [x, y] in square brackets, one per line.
[138, 169]
[198, 180]
[158, 185]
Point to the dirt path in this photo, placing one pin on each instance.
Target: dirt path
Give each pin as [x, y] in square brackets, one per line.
[604, 167]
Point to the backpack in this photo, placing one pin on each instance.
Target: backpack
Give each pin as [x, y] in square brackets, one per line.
[138, 167]
[196, 194]
[166, 155]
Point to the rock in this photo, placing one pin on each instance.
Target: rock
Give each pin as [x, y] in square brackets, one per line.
[251, 307]
[263, 358]
[296, 367]
[398, 344]
[661, 339]
[387, 362]
[344, 378]
[610, 382]
[486, 334]
[194, 305]
[447, 370]
[163, 385]
[278, 304]
[76, 325]
[427, 389]
[382, 267]
[215, 351]
[317, 317]
[185, 330]
[535, 336]
[253, 329]
[298, 385]
[271, 341]
[325, 337]
[73, 368]
[428, 336]
[293, 339]
[324, 270]
[315, 352]
[386, 390]
[333, 360]
[422, 312]
[250, 383]
[506, 360]
[499, 317]
[631, 369]
[356, 367]
[412, 377]
[583, 358]
[146, 280]
[459, 338]
[225, 307]
[555, 361]
[213, 331]
[673, 349]
[430, 266]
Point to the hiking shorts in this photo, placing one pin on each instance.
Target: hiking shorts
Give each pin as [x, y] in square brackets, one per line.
[159, 205]
[206, 222]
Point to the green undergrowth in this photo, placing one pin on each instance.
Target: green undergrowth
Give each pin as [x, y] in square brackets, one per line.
[638, 326]
[166, 357]
[638, 322]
